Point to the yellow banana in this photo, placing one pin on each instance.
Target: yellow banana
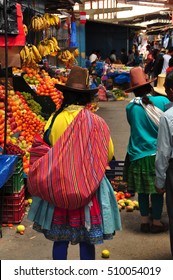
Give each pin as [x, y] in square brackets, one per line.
[56, 19]
[46, 16]
[56, 47]
[25, 29]
[34, 23]
[36, 53]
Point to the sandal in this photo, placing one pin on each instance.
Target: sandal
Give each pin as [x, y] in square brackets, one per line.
[159, 228]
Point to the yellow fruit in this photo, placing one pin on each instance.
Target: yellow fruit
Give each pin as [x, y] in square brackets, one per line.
[20, 228]
[105, 254]
[30, 200]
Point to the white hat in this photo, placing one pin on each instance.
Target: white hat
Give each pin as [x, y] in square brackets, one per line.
[93, 57]
[160, 84]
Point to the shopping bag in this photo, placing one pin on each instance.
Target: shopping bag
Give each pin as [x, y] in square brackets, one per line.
[7, 167]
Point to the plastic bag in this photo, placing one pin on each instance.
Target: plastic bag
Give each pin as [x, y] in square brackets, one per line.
[12, 27]
[73, 37]
[18, 39]
[7, 167]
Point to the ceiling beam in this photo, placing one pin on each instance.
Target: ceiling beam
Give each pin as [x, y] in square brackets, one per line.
[107, 10]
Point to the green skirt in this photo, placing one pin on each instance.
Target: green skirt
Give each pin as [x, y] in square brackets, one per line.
[141, 175]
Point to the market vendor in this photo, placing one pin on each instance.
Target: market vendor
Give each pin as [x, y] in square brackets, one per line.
[95, 80]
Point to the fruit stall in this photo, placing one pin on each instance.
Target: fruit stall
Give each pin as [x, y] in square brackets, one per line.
[28, 94]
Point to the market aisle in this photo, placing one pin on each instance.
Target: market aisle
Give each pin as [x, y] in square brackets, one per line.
[128, 244]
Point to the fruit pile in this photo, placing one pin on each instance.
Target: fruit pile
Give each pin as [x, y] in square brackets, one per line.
[22, 125]
[33, 105]
[119, 94]
[117, 183]
[124, 201]
[13, 149]
[44, 85]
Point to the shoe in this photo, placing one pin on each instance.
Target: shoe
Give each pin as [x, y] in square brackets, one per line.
[159, 229]
[145, 227]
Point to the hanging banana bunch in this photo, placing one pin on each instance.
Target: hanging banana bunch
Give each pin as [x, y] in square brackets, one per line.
[24, 54]
[69, 58]
[39, 23]
[52, 19]
[30, 56]
[65, 56]
[48, 47]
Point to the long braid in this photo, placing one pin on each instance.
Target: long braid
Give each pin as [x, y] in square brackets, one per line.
[146, 100]
[142, 92]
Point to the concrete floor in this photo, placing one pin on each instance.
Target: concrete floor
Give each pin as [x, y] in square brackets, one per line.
[128, 244]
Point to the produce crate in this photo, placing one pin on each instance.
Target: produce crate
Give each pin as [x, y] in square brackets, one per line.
[16, 181]
[14, 198]
[13, 208]
[14, 184]
[115, 175]
[13, 216]
[19, 166]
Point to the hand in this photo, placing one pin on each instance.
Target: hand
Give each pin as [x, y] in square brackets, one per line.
[108, 167]
[162, 190]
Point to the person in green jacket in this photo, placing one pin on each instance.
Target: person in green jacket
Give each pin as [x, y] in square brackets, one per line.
[141, 150]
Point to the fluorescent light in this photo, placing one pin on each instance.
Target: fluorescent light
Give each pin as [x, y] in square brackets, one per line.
[151, 3]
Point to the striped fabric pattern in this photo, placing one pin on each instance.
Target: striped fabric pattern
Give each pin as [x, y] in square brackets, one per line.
[38, 149]
[69, 174]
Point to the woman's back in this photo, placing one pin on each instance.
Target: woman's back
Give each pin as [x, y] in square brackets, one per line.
[143, 136]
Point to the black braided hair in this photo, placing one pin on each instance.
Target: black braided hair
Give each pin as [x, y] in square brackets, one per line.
[142, 92]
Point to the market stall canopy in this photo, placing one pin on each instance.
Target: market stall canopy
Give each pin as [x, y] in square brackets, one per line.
[144, 14]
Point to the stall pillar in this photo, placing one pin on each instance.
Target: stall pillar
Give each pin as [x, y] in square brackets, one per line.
[81, 43]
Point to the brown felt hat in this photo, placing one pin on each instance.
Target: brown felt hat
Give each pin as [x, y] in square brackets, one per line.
[138, 78]
[78, 81]
[160, 84]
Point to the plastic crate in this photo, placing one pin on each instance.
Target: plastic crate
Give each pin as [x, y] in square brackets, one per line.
[16, 181]
[13, 216]
[14, 184]
[14, 198]
[19, 166]
[14, 206]
[115, 175]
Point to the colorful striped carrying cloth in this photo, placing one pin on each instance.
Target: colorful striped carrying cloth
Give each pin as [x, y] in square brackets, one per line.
[39, 148]
[69, 174]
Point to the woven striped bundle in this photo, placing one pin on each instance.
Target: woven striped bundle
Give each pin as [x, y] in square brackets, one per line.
[39, 148]
[69, 174]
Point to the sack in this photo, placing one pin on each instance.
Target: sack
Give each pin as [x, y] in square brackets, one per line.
[70, 172]
[7, 167]
[153, 112]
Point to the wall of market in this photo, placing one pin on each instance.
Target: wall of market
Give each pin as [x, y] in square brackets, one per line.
[106, 37]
